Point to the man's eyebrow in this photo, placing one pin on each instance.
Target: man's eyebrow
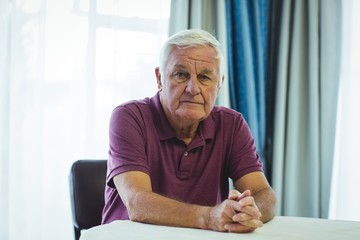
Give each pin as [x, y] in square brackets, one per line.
[181, 66]
[202, 71]
[206, 71]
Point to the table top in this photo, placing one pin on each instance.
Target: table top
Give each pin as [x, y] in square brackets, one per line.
[279, 228]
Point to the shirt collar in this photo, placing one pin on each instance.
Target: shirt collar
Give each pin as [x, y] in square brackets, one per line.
[206, 129]
[163, 128]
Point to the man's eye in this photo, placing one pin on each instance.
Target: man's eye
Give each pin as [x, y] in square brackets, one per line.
[204, 77]
[181, 75]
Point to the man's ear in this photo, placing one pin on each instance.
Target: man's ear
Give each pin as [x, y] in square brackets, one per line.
[158, 78]
[219, 86]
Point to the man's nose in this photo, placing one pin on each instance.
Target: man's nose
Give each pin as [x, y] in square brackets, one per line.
[192, 86]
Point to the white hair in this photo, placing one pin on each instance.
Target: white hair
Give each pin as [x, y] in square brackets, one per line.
[192, 38]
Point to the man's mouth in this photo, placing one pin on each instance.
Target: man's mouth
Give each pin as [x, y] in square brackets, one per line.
[192, 102]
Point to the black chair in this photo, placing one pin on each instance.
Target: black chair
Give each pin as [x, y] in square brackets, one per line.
[87, 185]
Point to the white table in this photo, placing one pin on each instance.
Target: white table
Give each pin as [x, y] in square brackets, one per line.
[279, 228]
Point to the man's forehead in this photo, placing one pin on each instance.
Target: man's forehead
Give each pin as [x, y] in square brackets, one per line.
[200, 67]
[195, 52]
[199, 56]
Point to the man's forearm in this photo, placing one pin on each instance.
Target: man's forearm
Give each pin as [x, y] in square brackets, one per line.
[153, 208]
[265, 200]
[143, 205]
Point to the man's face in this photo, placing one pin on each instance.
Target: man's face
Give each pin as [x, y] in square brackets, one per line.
[190, 85]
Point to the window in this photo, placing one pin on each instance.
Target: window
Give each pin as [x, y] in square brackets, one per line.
[68, 63]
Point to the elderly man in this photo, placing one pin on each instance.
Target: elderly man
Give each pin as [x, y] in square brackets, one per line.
[171, 155]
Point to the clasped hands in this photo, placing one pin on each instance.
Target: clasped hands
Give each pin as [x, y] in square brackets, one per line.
[239, 213]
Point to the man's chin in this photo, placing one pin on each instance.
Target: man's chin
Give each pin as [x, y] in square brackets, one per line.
[190, 115]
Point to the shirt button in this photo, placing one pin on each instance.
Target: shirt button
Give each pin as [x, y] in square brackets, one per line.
[186, 153]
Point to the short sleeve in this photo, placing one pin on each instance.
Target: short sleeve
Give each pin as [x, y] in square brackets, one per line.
[243, 158]
[126, 142]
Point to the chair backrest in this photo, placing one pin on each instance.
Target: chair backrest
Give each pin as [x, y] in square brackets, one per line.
[87, 184]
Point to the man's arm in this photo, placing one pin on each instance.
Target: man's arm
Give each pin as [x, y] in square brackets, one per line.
[143, 205]
[261, 191]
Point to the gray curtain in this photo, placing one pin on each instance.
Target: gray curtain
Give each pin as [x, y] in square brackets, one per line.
[305, 106]
[208, 15]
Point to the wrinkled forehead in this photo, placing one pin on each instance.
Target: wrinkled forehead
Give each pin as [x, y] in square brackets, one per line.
[204, 57]
[194, 50]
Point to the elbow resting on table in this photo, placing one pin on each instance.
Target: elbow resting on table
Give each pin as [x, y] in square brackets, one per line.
[133, 213]
[136, 207]
[268, 204]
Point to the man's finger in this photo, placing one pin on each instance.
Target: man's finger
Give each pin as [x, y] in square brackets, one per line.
[234, 194]
[237, 196]
[253, 223]
[238, 228]
[244, 194]
[240, 217]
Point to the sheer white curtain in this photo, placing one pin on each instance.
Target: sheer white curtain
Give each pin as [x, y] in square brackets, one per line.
[64, 66]
[345, 195]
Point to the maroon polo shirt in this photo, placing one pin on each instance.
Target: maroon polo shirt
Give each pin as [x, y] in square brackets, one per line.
[141, 139]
